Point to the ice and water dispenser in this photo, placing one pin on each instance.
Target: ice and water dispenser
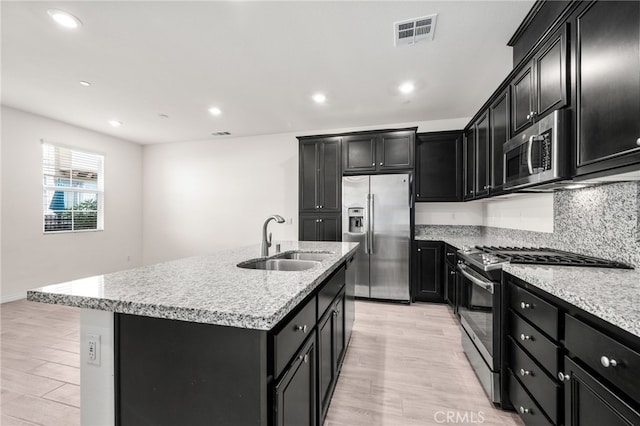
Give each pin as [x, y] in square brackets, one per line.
[356, 220]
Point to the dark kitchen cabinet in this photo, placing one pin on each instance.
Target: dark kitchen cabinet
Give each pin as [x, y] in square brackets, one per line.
[499, 134]
[469, 163]
[606, 49]
[541, 84]
[439, 166]
[378, 152]
[482, 163]
[320, 175]
[331, 348]
[428, 285]
[295, 394]
[320, 227]
[450, 291]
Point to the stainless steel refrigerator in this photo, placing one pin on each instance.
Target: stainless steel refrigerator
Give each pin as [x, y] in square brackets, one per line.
[375, 213]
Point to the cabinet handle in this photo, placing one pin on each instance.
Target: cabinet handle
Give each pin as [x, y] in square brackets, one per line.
[373, 164]
[452, 272]
[381, 163]
[524, 337]
[419, 249]
[524, 372]
[638, 141]
[304, 358]
[335, 313]
[417, 195]
[317, 207]
[608, 362]
[525, 305]
[320, 220]
[302, 328]
[563, 377]
[320, 206]
[525, 410]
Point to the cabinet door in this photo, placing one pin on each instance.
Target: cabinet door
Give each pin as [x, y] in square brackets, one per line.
[522, 92]
[394, 151]
[326, 370]
[469, 163]
[295, 394]
[308, 228]
[359, 153]
[551, 74]
[330, 182]
[439, 166]
[330, 228]
[309, 175]
[482, 156]
[339, 331]
[450, 284]
[499, 116]
[588, 402]
[607, 51]
[428, 283]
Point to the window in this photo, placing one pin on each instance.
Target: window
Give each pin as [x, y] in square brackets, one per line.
[73, 185]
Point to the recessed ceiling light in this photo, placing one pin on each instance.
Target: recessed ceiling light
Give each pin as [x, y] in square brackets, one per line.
[407, 87]
[115, 123]
[85, 83]
[319, 98]
[64, 19]
[215, 111]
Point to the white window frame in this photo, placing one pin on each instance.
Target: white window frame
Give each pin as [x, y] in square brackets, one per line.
[99, 191]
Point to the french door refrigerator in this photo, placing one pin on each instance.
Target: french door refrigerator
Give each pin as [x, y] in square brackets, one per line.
[376, 213]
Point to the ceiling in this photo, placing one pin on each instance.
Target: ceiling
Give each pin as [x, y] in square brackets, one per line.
[259, 62]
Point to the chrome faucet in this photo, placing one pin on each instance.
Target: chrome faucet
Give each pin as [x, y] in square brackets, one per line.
[266, 242]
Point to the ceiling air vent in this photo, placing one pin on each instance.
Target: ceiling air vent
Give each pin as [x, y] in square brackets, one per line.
[415, 30]
[220, 133]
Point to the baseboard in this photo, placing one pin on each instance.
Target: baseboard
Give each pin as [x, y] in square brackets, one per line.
[13, 297]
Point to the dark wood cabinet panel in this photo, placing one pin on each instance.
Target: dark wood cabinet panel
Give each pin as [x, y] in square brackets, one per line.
[320, 174]
[331, 349]
[320, 227]
[395, 150]
[482, 163]
[359, 152]
[607, 57]
[439, 166]
[499, 116]
[308, 175]
[428, 285]
[469, 163]
[551, 74]
[450, 292]
[522, 103]
[330, 182]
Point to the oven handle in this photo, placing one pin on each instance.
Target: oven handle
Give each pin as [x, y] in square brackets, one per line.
[529, 155]
[483, 284]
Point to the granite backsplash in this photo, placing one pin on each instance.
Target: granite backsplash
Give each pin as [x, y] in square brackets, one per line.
[601, 221]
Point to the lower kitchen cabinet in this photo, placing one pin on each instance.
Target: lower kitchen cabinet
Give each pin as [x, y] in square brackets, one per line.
[331, 349]
[428, 285]
[450, 286]
[320, 227]
[295, 394]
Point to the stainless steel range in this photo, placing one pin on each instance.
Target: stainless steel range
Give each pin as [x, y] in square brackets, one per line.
[480, 301]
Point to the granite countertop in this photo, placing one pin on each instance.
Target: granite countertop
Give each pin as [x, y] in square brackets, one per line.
[206, 289]
[610, 294]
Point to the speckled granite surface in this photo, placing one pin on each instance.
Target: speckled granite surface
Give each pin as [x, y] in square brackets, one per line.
[209, 289]
[610, 294]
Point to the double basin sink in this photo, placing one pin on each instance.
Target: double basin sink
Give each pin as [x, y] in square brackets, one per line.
[289, 261]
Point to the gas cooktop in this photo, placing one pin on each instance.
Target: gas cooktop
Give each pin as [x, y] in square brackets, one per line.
[490, 258]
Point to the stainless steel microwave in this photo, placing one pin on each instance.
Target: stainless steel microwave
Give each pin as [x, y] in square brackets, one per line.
[537, 155]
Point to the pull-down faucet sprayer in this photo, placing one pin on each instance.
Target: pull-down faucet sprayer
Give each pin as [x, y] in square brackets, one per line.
[266, 242]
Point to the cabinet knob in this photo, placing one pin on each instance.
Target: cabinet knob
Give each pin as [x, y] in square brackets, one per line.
[419, 249]
[525, 305]
[524, 337]
[419, 194]
[302, 328]
[638, 141]
[608, 362]
[452, 272]
[524, 372]
[525, 410]
[381, 163]
[304, 358]
[373, 164]
[563, 377]
[335, 313]
[320, 206]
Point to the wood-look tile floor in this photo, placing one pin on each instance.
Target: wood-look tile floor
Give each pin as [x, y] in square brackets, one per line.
[404, 366]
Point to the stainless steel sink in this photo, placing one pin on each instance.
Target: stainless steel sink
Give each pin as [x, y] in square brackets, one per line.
[304, 255]
[279, 264]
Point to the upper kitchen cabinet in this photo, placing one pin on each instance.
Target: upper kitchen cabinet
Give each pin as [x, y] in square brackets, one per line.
[540, 86]
[320, 175]
[483, 161]
[378, 152]
[469, 163]
[498, 134]
[439, 166]
[607, 85]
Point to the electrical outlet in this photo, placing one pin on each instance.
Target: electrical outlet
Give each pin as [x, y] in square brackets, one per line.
[93, 349]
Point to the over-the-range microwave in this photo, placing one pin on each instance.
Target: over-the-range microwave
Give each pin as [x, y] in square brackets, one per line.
[537, 155]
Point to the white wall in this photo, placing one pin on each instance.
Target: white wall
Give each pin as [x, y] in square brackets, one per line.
[449, 214]
[30, 258]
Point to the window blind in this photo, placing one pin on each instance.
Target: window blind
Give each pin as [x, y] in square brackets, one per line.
[73, 189]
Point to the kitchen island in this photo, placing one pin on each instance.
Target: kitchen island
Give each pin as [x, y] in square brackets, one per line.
[201, 340]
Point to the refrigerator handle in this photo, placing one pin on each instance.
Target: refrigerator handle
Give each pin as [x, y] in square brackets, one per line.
[371, 221]
[410, 188]
[366, 232]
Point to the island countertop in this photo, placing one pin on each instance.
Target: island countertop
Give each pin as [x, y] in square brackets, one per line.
[206, 289]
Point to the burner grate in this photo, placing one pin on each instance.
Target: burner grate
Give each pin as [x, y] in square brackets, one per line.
[548, 256]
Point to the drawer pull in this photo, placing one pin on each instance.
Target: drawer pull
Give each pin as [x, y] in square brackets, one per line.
[525, 305]
[304, 358]
[302, 328]
[608, 362]
[524, 372]
[563, 377]
[525, 410]
[524, 337]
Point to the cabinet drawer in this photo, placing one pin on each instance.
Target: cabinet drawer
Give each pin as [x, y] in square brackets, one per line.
[539, 347]
[287, 341]
[450, 254]
[330, 291]
[543, 389]
[596, 350]
[528, 410]
[541, 314]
